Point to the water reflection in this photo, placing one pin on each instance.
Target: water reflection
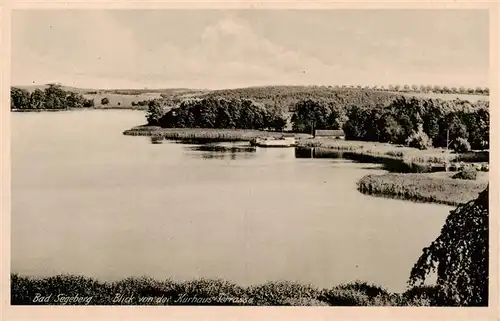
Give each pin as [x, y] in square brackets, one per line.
[222, 151]
[157, 139]
[316, 152]
[224, 148]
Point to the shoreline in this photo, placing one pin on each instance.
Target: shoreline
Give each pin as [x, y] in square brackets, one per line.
[81, 290]
[421, 188]
[31, 110]
[204, 134]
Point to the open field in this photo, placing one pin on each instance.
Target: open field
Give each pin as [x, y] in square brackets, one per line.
[78, 290]
[120, 100]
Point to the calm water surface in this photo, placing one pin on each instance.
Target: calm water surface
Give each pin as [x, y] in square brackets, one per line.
[88, 200]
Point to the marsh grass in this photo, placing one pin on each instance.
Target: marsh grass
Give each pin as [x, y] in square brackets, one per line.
[421, 188]
[148, 291]
[474, 157]
[395, 158]
[204, 135]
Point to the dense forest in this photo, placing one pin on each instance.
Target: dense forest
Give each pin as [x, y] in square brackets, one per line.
[218, 113]
[254, 108]
[412, 121]
[52, 97]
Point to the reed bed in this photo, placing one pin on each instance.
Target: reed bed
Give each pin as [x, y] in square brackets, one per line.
[395, 158]
[221, 135]
[205, 134]
[441, 159]
[421, 188]
[79, 290]
[474, 157]
[469, 157]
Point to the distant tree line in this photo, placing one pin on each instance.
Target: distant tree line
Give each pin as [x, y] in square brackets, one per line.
[422, 89]
[286, 97]
[52, 97]
[416, 122]
[217, 113]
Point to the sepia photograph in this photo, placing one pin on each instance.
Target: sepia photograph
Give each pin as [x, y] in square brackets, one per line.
[250, 157]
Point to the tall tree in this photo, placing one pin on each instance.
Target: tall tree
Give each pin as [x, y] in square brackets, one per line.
[389, 128]
[155, 113]
[460, 256]
[311, 115]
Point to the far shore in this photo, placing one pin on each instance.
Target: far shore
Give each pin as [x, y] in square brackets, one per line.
[33, 110]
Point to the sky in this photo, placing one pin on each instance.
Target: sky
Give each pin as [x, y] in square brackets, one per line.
[228, 49]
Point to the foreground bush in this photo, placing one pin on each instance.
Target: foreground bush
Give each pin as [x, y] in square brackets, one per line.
[282, 293]
[424, 295]
[148, 291]
[358, 294]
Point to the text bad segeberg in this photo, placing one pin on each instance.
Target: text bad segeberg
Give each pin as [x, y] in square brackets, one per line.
[121, 299]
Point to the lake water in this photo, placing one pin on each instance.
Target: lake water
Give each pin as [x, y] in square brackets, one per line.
[88, 200]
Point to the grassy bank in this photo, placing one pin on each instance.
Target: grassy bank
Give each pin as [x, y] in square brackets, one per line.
[396, 158]
[78, 290]
[430, 188]
[203, 134]
[433, 155]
